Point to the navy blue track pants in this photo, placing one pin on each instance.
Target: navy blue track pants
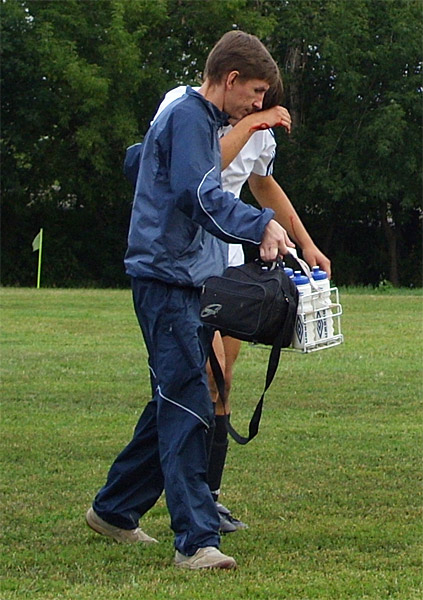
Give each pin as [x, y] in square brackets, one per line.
[168, 449]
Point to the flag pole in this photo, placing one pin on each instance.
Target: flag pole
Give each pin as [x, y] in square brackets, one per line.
[40, 250]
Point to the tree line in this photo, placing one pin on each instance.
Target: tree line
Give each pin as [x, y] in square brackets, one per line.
[81, 80]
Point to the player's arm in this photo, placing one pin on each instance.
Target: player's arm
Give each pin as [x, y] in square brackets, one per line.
[269, 194]
[233, 142]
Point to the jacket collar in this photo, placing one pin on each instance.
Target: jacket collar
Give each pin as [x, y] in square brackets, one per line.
[219, 116]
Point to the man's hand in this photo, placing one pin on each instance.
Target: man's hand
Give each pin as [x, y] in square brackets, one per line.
[278, 116]
[275, 242]
[243, 129]
[314, 257]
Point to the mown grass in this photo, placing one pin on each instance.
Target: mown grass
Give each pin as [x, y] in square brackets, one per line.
[331, 488]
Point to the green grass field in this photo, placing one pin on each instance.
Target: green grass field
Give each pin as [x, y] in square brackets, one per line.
[331, 487]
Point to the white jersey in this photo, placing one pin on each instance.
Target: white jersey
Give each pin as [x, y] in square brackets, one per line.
[257, 156]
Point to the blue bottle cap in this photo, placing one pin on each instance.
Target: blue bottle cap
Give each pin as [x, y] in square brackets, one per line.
[317, 274]
[300, 279]
[287, 270]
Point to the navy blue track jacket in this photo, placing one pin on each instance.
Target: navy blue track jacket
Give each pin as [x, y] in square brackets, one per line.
[180, 214]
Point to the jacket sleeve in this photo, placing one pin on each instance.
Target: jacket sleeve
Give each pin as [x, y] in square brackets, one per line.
[195, 181]
[131, 163]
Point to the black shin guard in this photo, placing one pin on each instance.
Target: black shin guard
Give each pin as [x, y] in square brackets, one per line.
[217, 459]
[209, 440]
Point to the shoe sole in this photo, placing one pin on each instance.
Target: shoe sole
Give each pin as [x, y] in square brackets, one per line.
[227, 531]
[222, 564]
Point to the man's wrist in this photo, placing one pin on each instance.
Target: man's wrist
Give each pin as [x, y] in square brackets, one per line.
[309, 246]
[251, 122]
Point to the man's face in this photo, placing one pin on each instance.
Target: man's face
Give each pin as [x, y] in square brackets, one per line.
[243, 97]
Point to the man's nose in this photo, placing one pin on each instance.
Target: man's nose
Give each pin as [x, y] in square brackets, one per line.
[258, 102]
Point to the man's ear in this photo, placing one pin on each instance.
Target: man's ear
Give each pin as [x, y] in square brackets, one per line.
[230, 79]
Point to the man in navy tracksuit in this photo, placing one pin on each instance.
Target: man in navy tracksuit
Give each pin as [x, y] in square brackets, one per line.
[180, 222]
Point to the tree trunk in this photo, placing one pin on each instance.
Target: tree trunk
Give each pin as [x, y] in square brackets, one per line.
[391, 236]
[294, 65]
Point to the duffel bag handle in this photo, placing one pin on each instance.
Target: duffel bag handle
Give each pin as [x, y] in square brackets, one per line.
[271, 265]
[302, 263]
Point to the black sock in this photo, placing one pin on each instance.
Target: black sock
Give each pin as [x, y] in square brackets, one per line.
[209, 440]
[219, 448]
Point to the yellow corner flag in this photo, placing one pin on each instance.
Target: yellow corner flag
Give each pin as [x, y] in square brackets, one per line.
[37, 244]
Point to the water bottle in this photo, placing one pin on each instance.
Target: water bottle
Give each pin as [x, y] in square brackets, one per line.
[323, 326]
[288, 271]
[304, 329]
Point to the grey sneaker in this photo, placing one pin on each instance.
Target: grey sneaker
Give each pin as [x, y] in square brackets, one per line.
[228, 523]
[225, 526]
[124, 536]
[205, 558]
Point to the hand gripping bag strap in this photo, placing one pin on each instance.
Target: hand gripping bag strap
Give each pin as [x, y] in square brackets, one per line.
[271, 371]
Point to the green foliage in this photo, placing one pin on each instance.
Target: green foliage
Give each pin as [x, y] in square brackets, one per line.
[66, 138]
[328, 487]
[358, 137]
[81, 80]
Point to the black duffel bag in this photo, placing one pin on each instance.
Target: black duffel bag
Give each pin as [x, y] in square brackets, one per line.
[256, 302]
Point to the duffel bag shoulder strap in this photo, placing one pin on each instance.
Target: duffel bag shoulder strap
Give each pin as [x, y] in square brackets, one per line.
[271, 371]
